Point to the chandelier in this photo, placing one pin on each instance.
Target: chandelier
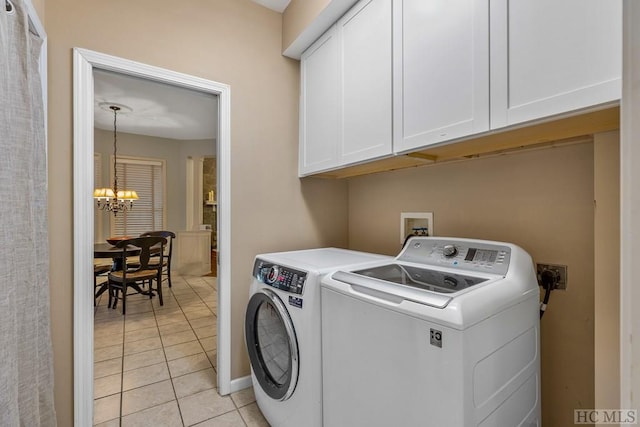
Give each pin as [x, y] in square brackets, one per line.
[112, 199]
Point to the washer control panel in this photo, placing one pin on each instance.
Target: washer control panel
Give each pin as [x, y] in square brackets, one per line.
[279, 277]
[462, 254]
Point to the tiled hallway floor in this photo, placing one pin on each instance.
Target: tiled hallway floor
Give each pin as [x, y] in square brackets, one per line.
[156, 366]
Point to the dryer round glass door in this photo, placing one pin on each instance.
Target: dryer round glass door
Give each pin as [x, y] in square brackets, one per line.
[272, 344]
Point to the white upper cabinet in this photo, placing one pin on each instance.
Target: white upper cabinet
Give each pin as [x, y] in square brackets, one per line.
[441, 71]
[364, 34]
[550, 57]
[345, 109]
[395, 76]
[319, 106]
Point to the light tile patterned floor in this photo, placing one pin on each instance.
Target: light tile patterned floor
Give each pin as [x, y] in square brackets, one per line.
[156, 366]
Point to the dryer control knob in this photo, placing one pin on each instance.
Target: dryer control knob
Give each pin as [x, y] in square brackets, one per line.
[272, 274]
[449, 251]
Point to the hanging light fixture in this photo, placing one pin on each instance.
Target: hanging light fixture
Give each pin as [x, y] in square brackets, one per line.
[112, 199]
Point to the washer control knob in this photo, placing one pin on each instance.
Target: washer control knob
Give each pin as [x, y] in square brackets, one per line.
[272, 274]
[449, 251]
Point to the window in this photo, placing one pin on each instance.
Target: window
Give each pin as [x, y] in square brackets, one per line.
[147, 178]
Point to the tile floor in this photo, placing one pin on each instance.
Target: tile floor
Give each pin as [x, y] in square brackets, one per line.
[156, 366]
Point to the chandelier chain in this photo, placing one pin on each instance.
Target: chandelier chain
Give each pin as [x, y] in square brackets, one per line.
[115, 150]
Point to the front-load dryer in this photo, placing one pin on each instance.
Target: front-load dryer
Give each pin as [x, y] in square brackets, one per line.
[282, 331]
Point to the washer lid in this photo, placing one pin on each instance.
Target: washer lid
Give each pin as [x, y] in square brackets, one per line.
[421, 278]
[389, 291]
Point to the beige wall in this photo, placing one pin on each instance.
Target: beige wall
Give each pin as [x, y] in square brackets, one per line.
[607, 269]
[541, 200]
[298, 16]
[230, 41]
[630, 206]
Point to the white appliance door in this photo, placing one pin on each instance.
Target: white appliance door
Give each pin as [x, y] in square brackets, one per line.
[272, 344]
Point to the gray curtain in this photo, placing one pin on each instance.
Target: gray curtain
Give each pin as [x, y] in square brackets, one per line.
[26, 361]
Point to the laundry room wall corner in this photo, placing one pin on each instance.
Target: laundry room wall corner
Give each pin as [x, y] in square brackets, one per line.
[541, 200]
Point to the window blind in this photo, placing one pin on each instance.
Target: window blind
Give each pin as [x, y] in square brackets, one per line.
[146, 177]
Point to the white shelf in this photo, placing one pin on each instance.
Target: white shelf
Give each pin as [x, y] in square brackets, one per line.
[214, 205]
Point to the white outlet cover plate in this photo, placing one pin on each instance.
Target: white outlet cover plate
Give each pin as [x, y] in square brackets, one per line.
[404, 216]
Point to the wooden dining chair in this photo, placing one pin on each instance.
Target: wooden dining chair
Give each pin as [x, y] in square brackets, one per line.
[144, 271]
[166, 261]
[99, 270]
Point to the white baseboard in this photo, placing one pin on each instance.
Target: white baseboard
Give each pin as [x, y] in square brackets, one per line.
[240, 383]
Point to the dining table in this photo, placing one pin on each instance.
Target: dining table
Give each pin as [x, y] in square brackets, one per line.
[107, 250]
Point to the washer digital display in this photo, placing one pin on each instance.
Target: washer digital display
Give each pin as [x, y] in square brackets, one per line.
[482, 255]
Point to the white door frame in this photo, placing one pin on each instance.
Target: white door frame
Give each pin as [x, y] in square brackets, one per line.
[84, 62]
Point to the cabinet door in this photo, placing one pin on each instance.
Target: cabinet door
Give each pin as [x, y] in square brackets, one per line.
[319, 105]
[441, 71]
[365, 47]
[550, 57]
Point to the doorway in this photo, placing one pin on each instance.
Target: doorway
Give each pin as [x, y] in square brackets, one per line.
[210, 207]
[85, 63]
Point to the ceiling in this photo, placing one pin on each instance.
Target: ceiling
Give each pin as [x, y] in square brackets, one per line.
[154, 109]
[277, 5]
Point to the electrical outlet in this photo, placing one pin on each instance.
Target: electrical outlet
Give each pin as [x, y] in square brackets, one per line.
[561, 270]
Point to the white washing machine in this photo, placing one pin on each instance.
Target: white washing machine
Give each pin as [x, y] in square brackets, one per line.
[447, 334]
[282, 331]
